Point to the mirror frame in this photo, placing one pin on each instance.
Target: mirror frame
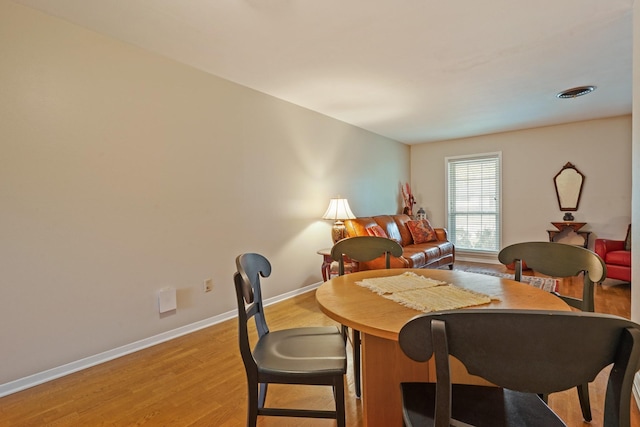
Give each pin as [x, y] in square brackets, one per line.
[568, 169]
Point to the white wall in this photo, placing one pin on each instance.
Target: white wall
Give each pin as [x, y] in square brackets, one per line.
[635, 262]
[635, 207]
[600, 149]
[122, 172]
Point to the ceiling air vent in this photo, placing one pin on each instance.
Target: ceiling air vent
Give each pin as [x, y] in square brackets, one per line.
[576, 92]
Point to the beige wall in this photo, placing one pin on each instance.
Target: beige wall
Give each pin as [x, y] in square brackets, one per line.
[600, 149]
[122, 172]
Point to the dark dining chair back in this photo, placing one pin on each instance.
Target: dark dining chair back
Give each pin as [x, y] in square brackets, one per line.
[558, 260]
[561, 261]
[362, 248]
[524, 353]
[306, 355]
[365, 248]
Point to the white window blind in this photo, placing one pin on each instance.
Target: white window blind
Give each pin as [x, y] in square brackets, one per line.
[473, 185]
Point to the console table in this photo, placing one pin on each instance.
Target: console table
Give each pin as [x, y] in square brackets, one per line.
[576, 227]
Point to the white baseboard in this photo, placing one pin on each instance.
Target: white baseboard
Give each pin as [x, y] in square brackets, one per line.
[477, 257]
[78, 365]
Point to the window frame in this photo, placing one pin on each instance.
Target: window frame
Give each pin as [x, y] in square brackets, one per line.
[494, 156]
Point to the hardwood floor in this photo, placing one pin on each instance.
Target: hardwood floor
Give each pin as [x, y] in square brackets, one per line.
[199, 380]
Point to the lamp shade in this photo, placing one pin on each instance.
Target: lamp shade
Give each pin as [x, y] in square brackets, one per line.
[338, 210]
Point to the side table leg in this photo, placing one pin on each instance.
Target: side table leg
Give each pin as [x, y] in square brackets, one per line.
[326, 267]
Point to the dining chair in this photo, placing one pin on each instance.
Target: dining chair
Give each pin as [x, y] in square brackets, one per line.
[306, 355]
[362, 248]
[561, 261]
[522, 352]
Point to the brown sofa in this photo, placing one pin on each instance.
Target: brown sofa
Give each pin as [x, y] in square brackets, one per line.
[433, 254]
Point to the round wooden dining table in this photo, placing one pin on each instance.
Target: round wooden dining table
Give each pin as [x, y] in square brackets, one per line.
[379, 321]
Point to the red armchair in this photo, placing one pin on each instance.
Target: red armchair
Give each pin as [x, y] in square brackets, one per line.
[616, 254]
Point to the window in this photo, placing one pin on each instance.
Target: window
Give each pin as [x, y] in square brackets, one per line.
[473, 205]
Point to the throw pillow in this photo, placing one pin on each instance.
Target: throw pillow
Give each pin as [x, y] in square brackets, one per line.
[421, 231]
[376, 230]
[627, 241]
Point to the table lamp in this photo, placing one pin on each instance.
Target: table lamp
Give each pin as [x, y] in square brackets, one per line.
[338, 211]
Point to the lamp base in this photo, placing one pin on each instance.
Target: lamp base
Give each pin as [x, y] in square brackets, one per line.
[338, 231]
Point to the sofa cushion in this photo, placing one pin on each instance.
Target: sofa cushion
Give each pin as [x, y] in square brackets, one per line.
[421, 231]
[445, 247]
[358, 226]
[376, 230]
[401, 223]
[512, 266]
[415, 256]
[618, 258]
[431, 251]
[390, 227]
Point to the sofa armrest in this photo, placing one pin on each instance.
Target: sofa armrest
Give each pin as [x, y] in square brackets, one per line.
[602, 246]
[441, 234]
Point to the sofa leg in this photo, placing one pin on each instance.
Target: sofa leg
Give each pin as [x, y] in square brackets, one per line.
[450, 266]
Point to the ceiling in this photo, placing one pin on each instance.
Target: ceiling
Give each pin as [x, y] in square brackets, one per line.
[412, 70]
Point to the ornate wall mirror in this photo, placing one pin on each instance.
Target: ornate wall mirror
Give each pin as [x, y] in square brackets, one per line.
[568, 184]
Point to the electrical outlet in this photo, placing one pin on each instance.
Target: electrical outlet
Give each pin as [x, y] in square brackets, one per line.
[208, 285]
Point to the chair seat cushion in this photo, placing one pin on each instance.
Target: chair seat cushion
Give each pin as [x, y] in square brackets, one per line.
[303, 351]
[618, 258]
[478, 405]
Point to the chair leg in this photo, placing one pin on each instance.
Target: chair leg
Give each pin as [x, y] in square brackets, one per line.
[585, 405]
[263, 395]
[345, 332]
[356, 362]
[338, 393]
[252, 410]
